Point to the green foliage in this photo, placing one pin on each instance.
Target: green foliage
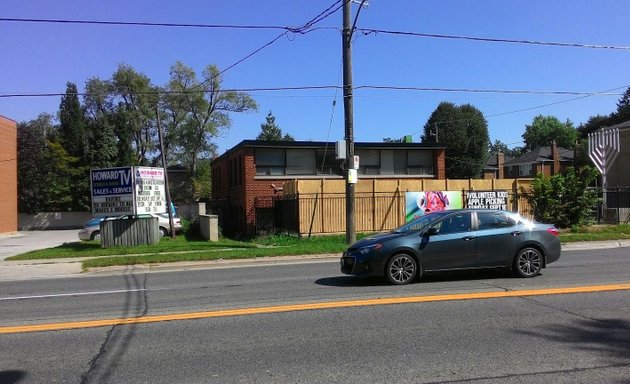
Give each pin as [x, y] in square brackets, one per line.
[197, 111]
[545, 129]
[464, 130]
[499, 146]
[564, 199]
[271, 132]
[202, 182]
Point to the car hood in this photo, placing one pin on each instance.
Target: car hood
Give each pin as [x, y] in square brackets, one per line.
[382, 237]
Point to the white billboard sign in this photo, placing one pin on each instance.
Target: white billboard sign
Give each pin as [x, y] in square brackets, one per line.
[150, 190]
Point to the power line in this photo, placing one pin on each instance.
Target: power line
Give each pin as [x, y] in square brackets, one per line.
[167, 25]
[366, 31]
[308, 27]
[582, 94]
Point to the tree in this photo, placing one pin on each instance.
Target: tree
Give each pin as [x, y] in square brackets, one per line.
[499, 146]
[105, 149]
[464, 130]
[545, 129]
[45, 170]
[72, 136]
[204, 109]
[623, 109]
[271, 132]
[137, 99]
[72, 123]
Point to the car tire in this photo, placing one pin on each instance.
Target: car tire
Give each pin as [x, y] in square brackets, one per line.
[96, 235]
[528, 262]
[401, 269]
[163, 232]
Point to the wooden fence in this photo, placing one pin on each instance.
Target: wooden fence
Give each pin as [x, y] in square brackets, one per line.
[380, 204]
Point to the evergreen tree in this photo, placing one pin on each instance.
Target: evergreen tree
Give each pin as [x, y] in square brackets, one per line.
[72, 123]
[271, 132]
[464, 130]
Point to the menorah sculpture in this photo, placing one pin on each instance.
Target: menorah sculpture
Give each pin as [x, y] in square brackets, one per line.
[603, 148]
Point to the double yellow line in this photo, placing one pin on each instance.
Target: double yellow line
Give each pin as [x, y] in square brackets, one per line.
[312, 306]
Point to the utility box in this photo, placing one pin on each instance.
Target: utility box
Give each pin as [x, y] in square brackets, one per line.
[340, 150]
[130, 232]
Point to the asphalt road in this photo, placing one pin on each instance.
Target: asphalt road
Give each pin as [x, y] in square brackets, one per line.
[570, 338]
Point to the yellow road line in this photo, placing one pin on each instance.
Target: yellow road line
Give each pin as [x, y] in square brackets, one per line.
[312, 306]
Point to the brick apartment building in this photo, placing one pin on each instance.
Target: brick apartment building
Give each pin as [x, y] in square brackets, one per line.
[255, 170]
[8, 175]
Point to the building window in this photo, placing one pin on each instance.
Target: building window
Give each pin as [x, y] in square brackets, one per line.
[369, 161]
[301, 162]
[525, 170]
[269, 161]
[326, 163]
[419, 162]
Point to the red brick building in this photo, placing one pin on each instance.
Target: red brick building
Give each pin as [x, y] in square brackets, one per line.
[256, 170]
[8, 175]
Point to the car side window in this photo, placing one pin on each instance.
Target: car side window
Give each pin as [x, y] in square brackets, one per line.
[493, 220]
[459, 222]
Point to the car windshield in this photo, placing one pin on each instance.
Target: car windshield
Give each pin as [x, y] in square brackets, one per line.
[420, 222]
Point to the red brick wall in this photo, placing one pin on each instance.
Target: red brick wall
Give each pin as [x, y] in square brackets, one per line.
[8, 176]
[439, 162]
[242, 195]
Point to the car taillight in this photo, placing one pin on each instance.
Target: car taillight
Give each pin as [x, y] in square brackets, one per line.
[553, 231]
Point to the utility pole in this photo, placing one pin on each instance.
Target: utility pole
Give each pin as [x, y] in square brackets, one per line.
[167, 189]
[346, 37]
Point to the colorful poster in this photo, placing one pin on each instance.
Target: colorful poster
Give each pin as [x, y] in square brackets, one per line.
[421, 203]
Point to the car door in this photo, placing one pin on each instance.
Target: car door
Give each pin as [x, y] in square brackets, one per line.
[496, 238]
[451, 246]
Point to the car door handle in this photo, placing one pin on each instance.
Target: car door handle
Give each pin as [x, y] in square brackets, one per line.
[516, 233]
[468, 238]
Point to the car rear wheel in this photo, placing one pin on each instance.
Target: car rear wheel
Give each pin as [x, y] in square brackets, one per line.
[96, 235]
[163, 232]
[401, 269]
[528, 262]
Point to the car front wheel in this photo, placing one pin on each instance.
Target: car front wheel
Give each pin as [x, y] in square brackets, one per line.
[96, 235]
[528, 262]
[401, 269]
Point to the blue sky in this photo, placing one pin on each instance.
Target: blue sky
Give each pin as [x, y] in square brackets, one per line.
[41, 58]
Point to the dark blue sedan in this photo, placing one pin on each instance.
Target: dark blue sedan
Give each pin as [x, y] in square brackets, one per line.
[455, 240]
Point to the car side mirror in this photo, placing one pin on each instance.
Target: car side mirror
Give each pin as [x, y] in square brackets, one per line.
[431, 231]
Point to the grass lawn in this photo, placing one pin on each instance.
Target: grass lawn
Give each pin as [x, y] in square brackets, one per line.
[183, 249]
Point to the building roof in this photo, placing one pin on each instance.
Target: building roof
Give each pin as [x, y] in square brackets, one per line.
[330, 145]
[492, 164]
[621, 126]
[541, 155]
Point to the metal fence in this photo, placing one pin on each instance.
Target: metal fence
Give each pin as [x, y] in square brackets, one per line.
[613, 206]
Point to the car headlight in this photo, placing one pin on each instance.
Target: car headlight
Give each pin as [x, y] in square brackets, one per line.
[370, 248]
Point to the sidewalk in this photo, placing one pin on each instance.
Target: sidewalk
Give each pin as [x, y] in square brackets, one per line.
[57, 268]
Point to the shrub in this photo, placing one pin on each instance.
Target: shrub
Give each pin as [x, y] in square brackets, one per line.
[564, 199]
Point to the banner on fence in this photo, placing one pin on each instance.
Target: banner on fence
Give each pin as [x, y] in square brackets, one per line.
[421, 203]
[487, 200]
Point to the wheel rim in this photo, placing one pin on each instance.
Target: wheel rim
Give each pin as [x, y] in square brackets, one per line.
[529, 262]
[97, 236]
[402, 269]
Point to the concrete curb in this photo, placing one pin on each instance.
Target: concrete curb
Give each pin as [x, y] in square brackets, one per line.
[68, 267]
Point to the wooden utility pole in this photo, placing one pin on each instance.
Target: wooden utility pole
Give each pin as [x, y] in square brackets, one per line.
[351, 236]
[166, 188]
